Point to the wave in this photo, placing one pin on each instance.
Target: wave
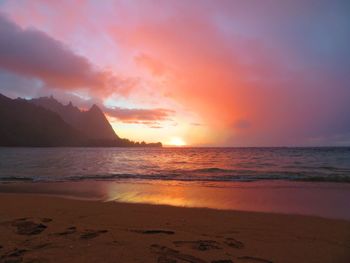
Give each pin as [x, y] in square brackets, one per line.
[16, 178]
[195, 164]
[187, 177]
[212, 170]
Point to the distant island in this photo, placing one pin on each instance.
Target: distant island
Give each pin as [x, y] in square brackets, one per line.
[45, 122]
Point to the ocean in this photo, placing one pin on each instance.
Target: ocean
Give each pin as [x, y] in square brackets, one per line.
[307, 181]
[211, 165]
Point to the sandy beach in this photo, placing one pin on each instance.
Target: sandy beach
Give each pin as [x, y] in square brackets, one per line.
[37, 228]
[174, 131]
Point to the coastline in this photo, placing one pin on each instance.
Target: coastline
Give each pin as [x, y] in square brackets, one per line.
[328, 200]
[38, 228]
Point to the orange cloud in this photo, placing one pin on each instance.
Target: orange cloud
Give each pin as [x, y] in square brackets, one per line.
[156, 67]
[253, 73]
[227, 78]
[137, 115]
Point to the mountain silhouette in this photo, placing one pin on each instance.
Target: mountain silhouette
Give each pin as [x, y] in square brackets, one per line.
[45, 122]
[92, 123]
[24, 124]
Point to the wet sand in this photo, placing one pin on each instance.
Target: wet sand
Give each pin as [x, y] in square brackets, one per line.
[329, 200]
[35, 228]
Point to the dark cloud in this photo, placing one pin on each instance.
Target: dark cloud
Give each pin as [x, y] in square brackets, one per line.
[14, 86]
[32, 53]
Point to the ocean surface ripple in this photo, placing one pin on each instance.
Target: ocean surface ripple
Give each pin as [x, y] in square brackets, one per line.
[179, 164]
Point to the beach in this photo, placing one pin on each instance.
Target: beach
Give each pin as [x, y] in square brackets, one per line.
[174, 131]
[41, 228]
[213, 205]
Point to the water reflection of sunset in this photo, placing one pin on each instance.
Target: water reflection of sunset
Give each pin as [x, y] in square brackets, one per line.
[278, 197]
[254, 196]
[169, 194]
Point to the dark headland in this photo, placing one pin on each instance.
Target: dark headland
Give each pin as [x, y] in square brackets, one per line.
[45, 122]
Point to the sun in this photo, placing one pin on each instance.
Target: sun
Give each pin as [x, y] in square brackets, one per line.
[177, 141]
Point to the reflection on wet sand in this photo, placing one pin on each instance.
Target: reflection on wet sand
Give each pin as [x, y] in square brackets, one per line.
[277, 197]
[322, 199]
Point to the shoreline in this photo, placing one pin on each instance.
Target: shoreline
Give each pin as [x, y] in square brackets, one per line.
[37, 228]
[137, 204]
[327, 200]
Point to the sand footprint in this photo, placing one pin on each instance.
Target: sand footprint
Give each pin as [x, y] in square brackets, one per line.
[254, 259]
[201, 245]
[13, 256]
[168, 255]
[231, 242]
[88, 233]
[28, 227]
[154, 231]
[70, 230]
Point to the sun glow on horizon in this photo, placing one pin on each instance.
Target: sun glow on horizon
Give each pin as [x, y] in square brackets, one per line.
[177, 141]
[253, 84]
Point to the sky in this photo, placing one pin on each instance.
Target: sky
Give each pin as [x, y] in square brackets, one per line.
[196, 72]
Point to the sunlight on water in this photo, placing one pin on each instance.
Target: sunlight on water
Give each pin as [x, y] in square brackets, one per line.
[176, 164]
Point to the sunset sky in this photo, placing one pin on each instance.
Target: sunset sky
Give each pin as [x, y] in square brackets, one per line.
[194, 72]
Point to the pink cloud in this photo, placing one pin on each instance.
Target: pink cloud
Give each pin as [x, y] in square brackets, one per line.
[229, 77]
[137, 115]
[248, 70]
[156, 67]
[32, 53]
